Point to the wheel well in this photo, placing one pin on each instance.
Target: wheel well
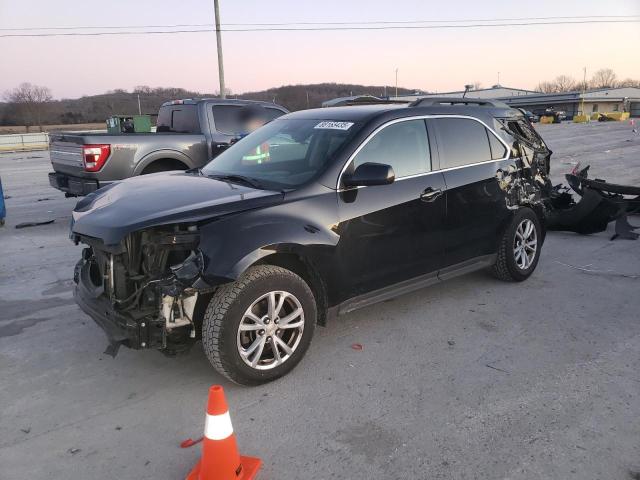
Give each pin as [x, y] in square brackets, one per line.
[164, 165]
[307, 272]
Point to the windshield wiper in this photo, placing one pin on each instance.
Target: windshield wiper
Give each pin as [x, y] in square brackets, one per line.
[233, 178]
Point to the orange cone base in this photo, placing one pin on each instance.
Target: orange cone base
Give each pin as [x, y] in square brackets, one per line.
[250, 467]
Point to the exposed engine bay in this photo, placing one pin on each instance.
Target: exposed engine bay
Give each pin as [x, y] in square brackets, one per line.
[150, 281]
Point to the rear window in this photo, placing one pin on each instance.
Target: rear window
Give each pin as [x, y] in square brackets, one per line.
[178, 119]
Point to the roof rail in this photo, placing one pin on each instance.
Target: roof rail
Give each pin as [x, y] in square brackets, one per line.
[371, 101]
[465, 101]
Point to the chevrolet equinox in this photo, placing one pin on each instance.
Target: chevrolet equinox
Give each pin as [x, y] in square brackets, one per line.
[312, 216]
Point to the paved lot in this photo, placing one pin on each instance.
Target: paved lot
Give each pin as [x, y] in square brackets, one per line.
[470, 379]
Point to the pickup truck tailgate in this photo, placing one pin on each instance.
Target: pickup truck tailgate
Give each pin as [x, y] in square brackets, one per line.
[66, 155]
[69, 175]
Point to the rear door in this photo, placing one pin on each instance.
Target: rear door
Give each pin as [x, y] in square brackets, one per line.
[470, 157]
[391, 233]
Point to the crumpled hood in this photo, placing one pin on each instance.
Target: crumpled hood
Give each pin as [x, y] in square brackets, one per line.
[163, 198]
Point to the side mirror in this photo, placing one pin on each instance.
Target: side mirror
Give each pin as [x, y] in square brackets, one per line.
[369, 174]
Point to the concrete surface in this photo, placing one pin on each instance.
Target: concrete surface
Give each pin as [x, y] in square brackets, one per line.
[469, 379]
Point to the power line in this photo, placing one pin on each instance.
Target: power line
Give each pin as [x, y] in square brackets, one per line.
[308, 29]
[292, 24]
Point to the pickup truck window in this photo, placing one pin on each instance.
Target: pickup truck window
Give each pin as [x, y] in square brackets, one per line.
[178, 119]
[226, 118]
[283, 154]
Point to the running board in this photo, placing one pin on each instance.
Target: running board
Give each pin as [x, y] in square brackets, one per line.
[411, 285]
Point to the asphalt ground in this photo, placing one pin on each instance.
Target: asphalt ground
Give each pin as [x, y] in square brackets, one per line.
[469, 379]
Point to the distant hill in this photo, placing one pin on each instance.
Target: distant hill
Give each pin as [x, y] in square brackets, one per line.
[294, 97]
[96, 108]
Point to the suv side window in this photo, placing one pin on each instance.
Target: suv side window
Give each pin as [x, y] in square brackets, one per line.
[403, 145]
[498, 150]
[461, 141]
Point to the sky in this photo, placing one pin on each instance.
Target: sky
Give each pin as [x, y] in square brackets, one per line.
[431, 60]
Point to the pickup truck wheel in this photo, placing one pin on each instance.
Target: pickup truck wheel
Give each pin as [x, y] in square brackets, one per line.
[519, 248]
[259, 327]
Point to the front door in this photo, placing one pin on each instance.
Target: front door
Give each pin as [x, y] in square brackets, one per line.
[391, 233]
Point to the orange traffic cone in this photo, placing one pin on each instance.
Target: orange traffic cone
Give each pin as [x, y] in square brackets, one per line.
[220, 459]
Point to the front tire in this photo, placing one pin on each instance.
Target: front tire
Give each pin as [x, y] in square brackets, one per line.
[519, 249]
[259, 327]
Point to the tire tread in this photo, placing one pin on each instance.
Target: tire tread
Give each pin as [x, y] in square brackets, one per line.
[221, 302]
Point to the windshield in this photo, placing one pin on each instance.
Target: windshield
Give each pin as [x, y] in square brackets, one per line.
[283, 154]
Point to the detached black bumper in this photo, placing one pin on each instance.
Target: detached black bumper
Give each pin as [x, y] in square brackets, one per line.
[120, 327]
[73, 185]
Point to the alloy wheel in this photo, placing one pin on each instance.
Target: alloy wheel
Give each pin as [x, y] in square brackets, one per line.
[525, 244]
[270, 330]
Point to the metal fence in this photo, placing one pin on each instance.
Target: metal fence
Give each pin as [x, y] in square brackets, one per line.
[22, 142]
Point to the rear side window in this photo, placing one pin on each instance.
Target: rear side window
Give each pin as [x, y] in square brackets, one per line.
[498, 150]
[178, 119]
[403, 145]
[461, 141]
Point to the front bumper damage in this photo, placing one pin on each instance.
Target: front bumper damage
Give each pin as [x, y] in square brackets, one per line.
[600, 203]
[143, 293]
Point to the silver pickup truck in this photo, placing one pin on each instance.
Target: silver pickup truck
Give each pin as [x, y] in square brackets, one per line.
[189, 134]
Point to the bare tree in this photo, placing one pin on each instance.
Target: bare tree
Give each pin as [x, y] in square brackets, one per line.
[143, 89]
[629, 82]
[564, 83]
[604, 78]
[31, 100]
[546, 87]
[477, 85]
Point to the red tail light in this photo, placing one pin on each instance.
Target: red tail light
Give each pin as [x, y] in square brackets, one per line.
[94, 156]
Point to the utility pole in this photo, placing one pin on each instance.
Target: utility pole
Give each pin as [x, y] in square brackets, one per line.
[139, 109]
[584, 87]
[396, 82]
[498, 78]
[223, 90]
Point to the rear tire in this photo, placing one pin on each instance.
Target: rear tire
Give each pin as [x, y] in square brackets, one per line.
[247, 340]
[519, 249]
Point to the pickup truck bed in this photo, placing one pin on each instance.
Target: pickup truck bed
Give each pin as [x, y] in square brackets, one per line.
[129, 155]
[190, 134]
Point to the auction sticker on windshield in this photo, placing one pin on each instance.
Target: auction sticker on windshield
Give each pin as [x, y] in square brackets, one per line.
[335, 125]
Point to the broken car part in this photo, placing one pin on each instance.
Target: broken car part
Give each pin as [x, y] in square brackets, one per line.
[600, 203]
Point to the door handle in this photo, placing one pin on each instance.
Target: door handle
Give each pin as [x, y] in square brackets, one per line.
[430, 194]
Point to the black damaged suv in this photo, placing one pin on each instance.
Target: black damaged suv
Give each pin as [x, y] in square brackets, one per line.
[316, 214]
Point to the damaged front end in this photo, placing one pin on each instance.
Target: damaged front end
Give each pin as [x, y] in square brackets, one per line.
[600, 203]
[144, 291]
